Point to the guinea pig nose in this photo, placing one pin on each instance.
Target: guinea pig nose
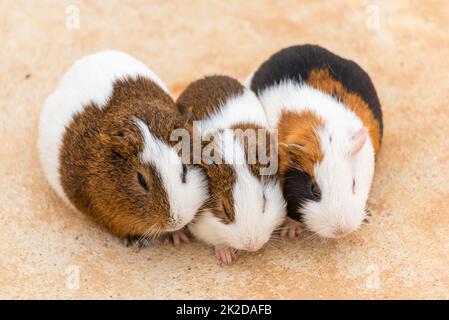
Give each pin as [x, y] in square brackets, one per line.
[175, 223]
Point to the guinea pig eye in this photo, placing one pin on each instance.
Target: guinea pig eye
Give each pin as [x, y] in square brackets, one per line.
[315, 191]
[353, 185]
[142, 181]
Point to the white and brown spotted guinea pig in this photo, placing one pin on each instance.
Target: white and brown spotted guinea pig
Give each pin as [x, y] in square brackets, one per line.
[329, 122]
[246, 206]
[103, 146]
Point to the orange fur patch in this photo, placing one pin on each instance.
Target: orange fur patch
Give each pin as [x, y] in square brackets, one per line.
[299, 128]
[321, 79]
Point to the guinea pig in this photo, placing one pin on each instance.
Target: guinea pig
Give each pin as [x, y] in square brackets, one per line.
[103, 146]
[246, 206]
[329, 122]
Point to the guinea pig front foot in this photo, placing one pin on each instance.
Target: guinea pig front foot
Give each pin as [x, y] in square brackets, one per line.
[225, 255]
[291, 228]
[178, 237]
[136, 241]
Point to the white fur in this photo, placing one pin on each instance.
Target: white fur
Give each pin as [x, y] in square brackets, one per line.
[184, 198]
[90, 79]
[242, 108]
[339, 207]
[253, 226]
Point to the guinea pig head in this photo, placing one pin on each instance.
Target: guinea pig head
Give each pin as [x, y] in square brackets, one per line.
[244, 209]
[326, 173]
[144, 182]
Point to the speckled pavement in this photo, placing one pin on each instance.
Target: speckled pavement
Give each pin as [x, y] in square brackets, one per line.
[50, 251]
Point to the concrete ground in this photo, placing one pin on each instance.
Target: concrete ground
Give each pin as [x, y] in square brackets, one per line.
[49, 251]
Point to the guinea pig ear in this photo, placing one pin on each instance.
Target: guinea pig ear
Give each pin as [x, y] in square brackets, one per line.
[358, 140]
[123, 141]
[184, 119]
[291, 148]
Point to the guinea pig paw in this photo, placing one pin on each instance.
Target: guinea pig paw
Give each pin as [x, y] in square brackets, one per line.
[136, 241]
[178, 237]
[368, 215]
[291, 228]
[225, 255]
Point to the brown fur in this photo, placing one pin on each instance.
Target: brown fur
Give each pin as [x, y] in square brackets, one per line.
[299, 128]
[321, 79]
[99, 161]
[221, 178]
[256, 165]
[205, 96]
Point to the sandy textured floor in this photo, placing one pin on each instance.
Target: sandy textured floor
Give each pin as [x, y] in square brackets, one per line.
[404, 253]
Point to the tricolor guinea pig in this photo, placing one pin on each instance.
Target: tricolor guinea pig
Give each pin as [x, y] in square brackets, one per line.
[103, 147]
[329, 122]
[246, 206]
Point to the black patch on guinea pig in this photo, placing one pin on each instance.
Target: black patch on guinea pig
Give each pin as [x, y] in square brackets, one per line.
[296, 189]
[296, 62]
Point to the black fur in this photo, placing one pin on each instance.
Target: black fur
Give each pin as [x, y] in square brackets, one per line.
[296, 62]
[297, 186]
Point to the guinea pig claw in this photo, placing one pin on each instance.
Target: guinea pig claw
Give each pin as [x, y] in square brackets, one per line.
[178, 237]
[225, 255]
[291, 228]
[367, 216]
[184, 237]
[136, 241]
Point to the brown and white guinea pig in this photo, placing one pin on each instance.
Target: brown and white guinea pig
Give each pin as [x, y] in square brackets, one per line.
[329, 122]
[103, 146]
[245, 206]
